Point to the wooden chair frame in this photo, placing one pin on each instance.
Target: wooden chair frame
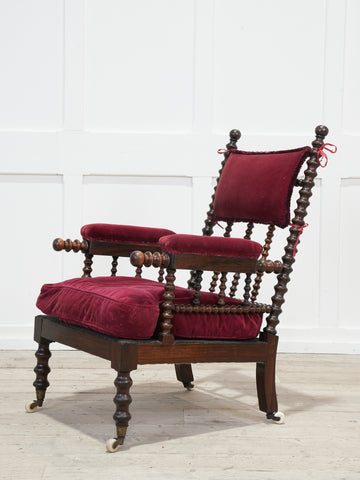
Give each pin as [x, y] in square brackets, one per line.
[126, 355]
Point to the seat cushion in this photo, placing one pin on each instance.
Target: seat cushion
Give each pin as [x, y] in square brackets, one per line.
[218, 246]
[129, 307]
[107, 232]
[257, 186]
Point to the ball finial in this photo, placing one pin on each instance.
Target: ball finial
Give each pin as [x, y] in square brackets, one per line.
[58, 244]
[235, 134]
[321, 130]
[137, 258]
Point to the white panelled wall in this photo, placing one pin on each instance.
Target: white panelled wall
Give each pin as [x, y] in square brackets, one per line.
[112, 111]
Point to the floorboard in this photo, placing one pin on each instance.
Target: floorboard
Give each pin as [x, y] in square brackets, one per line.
[214, 432]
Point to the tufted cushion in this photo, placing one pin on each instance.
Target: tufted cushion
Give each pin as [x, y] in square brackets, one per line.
[106, 232]
[202, 245]
[128, 307]
[257, 186]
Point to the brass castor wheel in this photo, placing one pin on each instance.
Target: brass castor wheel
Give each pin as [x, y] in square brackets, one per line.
[112, 445]
[189, 386]
[277, 417]
[31, 407]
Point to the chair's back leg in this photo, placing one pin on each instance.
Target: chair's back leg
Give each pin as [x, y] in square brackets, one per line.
[265, 377]
[184, 374]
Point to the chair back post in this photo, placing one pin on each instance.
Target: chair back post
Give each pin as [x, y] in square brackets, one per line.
[300, 213]
[208, 229]
[235, 135]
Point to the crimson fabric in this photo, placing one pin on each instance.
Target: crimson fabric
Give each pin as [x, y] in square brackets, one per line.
[202, 245]
[128, 307]
[106, 232]
[257, 186]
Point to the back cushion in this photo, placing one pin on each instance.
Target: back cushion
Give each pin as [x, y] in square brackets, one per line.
[257, 186]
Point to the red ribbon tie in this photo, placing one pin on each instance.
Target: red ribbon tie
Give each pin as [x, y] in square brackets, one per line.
[300, 229]
[217, 223]
[223, 150]
[322, 155]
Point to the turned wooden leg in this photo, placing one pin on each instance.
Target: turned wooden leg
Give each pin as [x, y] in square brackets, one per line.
[184, 374]
[122, 401]
[42, 371]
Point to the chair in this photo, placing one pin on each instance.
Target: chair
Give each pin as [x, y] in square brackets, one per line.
[133, 321]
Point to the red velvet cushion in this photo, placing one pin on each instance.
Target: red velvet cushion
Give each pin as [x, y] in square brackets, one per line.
[106, 232]
[128, 307]
[257, 186]
[202, 245]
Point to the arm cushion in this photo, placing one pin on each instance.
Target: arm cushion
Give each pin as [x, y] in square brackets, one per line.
[203, 245]
[106, 232]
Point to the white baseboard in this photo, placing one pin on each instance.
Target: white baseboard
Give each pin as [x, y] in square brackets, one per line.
[291, 340]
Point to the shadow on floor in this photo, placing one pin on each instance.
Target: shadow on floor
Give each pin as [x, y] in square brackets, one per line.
[164, 410]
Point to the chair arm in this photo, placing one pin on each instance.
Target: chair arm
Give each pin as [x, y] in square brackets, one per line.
[193, 262]
[100, 248]
[222, 254]
[115, 240]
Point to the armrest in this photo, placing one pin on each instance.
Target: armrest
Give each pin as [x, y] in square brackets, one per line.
[210, 246]
[193, 262]
[195, 252]
[116, 240]
[109, 233]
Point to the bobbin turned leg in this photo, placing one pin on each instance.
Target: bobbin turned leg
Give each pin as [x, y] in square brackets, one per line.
[42, 371]
[184, 374]
[122, 416]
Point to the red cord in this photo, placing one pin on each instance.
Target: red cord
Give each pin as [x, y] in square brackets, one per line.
[321, 154]
[300, 230]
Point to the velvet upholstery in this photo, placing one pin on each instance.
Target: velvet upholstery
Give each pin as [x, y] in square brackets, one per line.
[202, 245]
[257, 186]
[129, 307]
[106, 232]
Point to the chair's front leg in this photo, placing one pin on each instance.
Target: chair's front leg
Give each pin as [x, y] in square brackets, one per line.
[42, 371]
[121, 416]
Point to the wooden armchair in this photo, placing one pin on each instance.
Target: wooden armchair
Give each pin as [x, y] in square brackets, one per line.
[133, 321]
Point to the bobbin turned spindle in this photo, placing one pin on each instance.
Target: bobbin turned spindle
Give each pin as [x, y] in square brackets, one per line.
[68, 245]
[148, 259]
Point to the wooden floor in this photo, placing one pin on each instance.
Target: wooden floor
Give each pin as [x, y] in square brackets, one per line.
[214, 432]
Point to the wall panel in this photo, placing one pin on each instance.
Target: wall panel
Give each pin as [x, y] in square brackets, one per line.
[32, 212]
[351, 119]
[139, 65]
[113, 112]
[349, 259]
[267, 71]
[31, 61]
